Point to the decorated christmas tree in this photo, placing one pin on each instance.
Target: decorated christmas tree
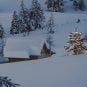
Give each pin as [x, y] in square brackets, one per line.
[76, 44]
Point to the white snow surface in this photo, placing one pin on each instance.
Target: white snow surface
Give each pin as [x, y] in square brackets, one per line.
[69, 71]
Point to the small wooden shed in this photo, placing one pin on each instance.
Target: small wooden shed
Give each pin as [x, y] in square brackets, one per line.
[25, 48]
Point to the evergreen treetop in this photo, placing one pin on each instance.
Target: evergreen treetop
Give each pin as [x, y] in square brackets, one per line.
[14, 24]
[36, 14]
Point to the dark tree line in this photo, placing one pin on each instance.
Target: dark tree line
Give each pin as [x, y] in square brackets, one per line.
[27, 19]
[55, 5]
[58, 5]
[79, 4]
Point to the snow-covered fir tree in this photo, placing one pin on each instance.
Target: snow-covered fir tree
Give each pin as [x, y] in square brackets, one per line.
[36, 15]
[1, 31]
[61, 6]
[15, 24]
[2, 35]
[79, 4]
[24, 18]
[49, 5]
[76, 43]
[75, 4]
[6, 82]
[50, 25]
[55, 5]
[22, 28]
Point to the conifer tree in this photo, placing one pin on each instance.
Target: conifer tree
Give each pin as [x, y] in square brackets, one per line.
[2, 35]
[24, 18]
[79, 4]
[55, 5]
[49, 5]
[76, 43]
[1, 31]
[36, 15]
[61, 6]
[50, 25]
[14, 24]
[75, 4]
[22, 27]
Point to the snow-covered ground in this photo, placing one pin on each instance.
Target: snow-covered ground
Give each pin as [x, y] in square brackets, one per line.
[58, 70]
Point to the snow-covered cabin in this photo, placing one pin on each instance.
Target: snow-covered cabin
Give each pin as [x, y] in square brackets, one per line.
[26, 48]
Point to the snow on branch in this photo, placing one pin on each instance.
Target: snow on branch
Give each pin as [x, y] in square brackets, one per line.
[6, 82]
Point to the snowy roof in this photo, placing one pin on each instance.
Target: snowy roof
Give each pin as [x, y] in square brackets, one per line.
[23, 47]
